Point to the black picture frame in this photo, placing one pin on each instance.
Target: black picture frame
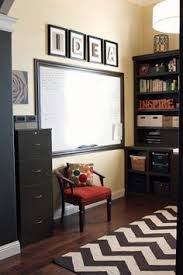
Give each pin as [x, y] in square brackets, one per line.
[77, 45]
[93, 56]
[110, 53]
[57, 41]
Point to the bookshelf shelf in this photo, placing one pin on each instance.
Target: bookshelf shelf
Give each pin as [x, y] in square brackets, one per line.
[165, 93]
[159, 128]
[137, 172]
[169, 74]
[160, 174]
[158, 111]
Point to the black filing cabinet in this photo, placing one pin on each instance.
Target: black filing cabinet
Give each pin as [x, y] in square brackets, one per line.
[34, 184]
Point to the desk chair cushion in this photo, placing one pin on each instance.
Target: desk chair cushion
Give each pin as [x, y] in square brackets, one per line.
[87, 194]
[80, 173]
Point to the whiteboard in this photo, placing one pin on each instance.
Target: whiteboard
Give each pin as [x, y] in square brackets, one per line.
[83, 107]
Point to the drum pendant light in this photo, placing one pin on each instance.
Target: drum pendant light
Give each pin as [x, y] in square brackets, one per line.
[166, 16]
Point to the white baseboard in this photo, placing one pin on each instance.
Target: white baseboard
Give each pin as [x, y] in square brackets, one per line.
[71, 209]
[9, 250]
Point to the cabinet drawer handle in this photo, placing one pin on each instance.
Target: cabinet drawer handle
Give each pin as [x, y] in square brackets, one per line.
[39, 221]
[37, 144]
[38, 197]
[36, 171]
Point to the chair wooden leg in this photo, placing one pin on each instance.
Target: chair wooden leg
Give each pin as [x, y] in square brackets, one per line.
[109, 209]
[63, 210]
[81, 217]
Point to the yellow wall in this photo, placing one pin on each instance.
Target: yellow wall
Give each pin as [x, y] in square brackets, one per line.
[116, 20]
[148, 33]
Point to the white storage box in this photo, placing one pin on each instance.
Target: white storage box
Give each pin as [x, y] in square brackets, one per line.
[156, 121]
[143, 120]
[175, 122]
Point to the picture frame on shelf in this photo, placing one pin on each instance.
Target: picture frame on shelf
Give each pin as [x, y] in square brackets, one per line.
[57, 41]
[145, 69]
[110, 53]
[161, 43]
[95, 49]
[77, 45]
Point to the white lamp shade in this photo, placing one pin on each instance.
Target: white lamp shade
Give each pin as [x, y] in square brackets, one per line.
[166, 16]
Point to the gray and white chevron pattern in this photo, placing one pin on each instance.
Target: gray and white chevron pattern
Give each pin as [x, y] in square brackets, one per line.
[144, 247]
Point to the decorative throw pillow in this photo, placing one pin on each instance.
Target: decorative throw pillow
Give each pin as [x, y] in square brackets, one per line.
[80, 173]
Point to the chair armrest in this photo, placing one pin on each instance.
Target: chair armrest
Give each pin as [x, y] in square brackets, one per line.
[100, 176]
[62, 179]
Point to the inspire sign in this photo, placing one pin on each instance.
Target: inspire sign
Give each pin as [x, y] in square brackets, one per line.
[156, 104]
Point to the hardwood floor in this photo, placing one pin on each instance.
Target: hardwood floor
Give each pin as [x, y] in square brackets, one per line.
[37, 258]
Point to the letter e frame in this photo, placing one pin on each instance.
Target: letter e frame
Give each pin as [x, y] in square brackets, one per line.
[95, 49]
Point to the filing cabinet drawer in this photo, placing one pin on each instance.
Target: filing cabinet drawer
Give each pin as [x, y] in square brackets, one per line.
[33, 144]
[33, 172]
[160, 168]
[160, 157]
[36, 203]
[36, 231]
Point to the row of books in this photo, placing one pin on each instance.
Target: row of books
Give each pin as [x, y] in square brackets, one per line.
[158, 85]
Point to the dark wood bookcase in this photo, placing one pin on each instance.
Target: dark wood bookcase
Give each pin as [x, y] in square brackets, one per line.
[156, 97]
[156, 121]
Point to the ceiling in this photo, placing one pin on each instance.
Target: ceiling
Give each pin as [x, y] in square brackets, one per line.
[144, 2]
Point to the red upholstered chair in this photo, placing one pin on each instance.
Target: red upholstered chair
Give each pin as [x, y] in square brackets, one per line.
[82, 195]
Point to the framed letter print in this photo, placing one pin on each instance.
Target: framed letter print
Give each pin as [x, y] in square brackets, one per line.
[57, 41]
[95, 52]
[110, 53]
[77, 45]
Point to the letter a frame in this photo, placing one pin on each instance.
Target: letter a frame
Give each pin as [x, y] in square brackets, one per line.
[110, 53]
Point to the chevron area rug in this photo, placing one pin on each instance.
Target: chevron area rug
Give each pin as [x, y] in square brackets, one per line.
[144, 247]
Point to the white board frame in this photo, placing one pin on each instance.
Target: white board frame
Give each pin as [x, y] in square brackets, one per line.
[39, 63]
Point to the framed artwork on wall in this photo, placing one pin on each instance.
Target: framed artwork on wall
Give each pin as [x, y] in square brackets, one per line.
[95, 49]
[77, 44]
[19, 87]
[110, 53]
[57, 41]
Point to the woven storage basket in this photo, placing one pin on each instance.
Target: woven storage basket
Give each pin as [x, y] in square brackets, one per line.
[138, 162]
